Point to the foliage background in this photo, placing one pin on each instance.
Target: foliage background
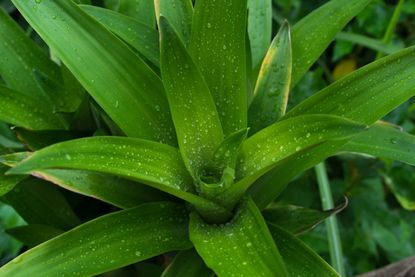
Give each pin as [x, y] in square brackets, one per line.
[377, 227]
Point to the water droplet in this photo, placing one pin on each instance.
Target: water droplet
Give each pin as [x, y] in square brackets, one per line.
[394, 141]
[138, 253]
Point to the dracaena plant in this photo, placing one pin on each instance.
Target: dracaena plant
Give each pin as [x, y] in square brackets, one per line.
[194, 142]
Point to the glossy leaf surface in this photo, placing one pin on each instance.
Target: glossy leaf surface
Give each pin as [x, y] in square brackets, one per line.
[310, 37]
[242, 247]
[194, 113]
[273, 83]
[82, 43]
[140, 233]
[218, 36]
[33, 234]
[142, 10]
[137, 34]
[299, 259]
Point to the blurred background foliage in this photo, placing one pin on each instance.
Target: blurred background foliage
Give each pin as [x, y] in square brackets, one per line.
[377, 228]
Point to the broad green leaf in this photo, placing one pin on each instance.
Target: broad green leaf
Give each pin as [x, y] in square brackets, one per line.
[136, 234]
[8, 138]
[142, 10]
[7, 183]
[273, 83]
[117, 191]
[188, 263]
[299, 259]
[33, 234]
[20, 56]
[371, 43]
[297, 219]
[269, 186]
[266, 148]
[384, 141]
[154, 164]
[180, 15]
[194, 113]
[35, 140]
[242, 247]
[367, 94]
[39, 202]
[313, 34]
[106, 72]
[24, 111]
[141, 37]
[259, 28]
[218, 37]
[227, 153]
[282, 141]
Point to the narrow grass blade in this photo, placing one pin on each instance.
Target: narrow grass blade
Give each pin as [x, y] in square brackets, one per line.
[384, 141]
[218, 36]
[188, 263]
[141, 233]
[82, 44]
[197, 123]
[243, 247]
[140, 36]
[367, 94]
[180, 15]
[259, 29]
[273, 83]
[311, 36]
[300, 260]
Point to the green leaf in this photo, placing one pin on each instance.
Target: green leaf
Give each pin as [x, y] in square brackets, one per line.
[371, 43]
[266, 148]
[259, 28]
[36, 140]
[83, 45]
[194, 113]
[141, 37]
[289, 139]
[385, 141]
[400, 182]
[188, 263]
[287, 217]
[33, 234]
[117, 191]
[24, 111]
[218, 36]
[39, 202]
[227, 153]
[7, 183]
[299, 259]
[273, 84]
[151, 163]
[142, 10]
[266, 189]
[20, 57]
[311, 35]
[180, 15]
[242, 247]
[141, 233]
[367, 94]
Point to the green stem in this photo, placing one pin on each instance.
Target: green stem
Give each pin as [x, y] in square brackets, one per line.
[387, 38]
[336, 253]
